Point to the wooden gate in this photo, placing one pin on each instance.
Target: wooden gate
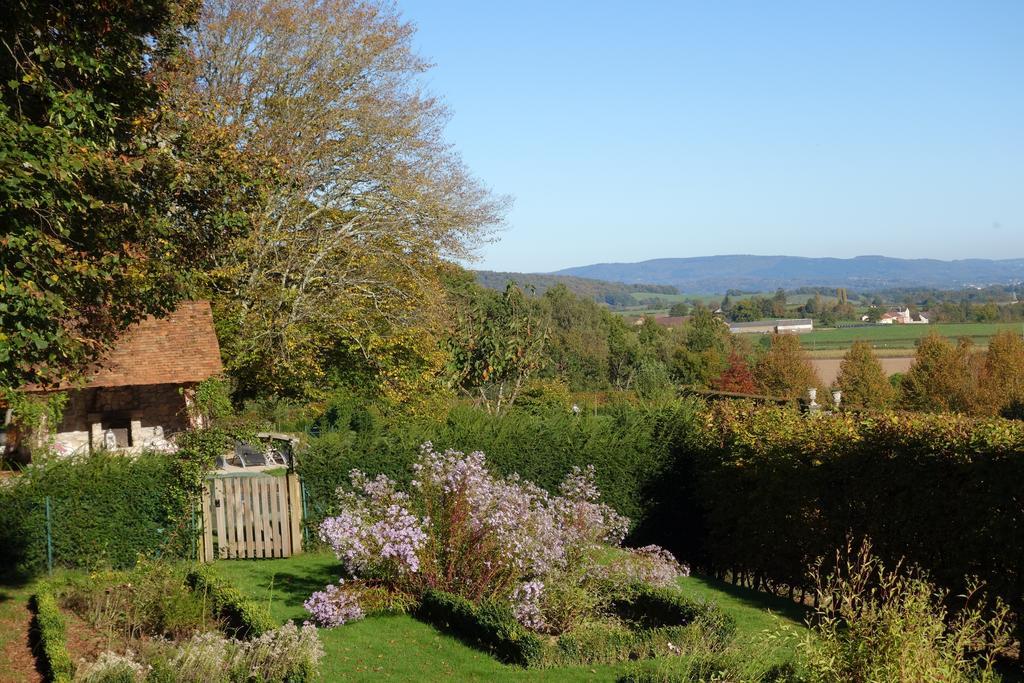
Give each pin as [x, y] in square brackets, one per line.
[251, 516]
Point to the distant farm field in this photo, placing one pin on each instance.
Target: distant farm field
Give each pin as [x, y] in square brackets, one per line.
[901, 336]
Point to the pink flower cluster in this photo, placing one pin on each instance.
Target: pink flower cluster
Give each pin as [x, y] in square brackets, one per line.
[650, 564]
[333, 606]
[526, 605]
[375, 533]
[532, 531]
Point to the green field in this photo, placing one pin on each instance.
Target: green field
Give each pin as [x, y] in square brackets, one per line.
[402, 648]
[901, 336]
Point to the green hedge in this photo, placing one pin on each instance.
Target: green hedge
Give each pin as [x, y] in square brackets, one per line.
[760, 493]
[631, 447]
[245, 618]
[105, 510]
[51, 634]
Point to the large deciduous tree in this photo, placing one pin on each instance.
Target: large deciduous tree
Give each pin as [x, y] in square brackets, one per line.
[341, 277]
[862, 379]
[109, 202]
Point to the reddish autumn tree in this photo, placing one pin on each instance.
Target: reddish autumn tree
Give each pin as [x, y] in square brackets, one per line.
[737, 376]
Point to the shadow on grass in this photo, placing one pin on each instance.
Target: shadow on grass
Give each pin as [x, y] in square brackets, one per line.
[748, 597]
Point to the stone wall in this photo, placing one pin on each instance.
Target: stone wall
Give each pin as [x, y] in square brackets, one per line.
[129, 417]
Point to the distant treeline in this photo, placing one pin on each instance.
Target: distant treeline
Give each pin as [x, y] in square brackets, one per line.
[614, 294]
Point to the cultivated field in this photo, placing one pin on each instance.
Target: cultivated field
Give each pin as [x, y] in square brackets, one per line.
[901, 336]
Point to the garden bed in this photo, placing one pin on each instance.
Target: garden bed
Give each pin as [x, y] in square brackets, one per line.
[403, 647]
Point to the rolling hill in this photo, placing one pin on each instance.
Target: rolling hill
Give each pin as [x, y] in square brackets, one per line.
[716, 274]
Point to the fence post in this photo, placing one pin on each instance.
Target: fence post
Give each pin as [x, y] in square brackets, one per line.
[49, 538]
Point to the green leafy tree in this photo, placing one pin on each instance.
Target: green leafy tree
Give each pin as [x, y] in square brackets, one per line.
[108, 201]
[941, 378]
[784, 370]
[679, 309]
[702, 355]
[499, 345]
[862, 379]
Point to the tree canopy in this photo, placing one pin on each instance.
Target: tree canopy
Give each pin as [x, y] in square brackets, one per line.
[110, 202]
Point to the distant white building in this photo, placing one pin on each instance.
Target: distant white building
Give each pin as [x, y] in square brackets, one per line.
[789, 326]
[902, 316]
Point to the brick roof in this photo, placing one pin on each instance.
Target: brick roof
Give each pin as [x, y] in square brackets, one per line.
[177, 349]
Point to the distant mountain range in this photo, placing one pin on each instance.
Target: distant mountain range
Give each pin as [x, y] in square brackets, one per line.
[716, 274]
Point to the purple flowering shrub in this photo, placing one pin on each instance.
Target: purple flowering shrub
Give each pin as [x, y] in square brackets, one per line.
[465, 531]
[333, 606]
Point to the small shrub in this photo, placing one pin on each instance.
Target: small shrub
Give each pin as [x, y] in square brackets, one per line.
[877, 624]
[111, 667]
[288, 653]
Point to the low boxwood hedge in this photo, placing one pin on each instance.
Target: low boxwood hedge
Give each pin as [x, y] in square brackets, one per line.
[51, 634]
[671, 620]
[490, 626]
[244, 617]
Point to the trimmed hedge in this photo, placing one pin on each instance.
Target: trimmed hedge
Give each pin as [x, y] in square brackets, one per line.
[630, 446]
[105, 510]
[759, 493]
[492, 627]
[51, 632]
[649, 607]
[245, 618]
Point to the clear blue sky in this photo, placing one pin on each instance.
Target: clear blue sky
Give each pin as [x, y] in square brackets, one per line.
[635, 130]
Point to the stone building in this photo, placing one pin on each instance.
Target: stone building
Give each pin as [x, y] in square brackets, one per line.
[137, 396]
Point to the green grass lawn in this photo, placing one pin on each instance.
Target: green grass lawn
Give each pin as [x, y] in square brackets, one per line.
[902, 336]
[402, 648]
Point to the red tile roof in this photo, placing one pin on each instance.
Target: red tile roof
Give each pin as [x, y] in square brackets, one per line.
[177, 349]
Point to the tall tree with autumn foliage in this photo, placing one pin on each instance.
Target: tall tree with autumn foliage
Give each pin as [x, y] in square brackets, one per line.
[784, 370]
[341, 279]
[941, 379]
[110, 201]
[862, 379]
[1001, 382]
[737, 376]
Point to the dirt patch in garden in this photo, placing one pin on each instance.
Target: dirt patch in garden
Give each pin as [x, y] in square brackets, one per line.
[19, 663]
[84, 641]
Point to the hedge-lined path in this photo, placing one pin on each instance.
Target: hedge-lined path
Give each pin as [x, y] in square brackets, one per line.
[18, 661]
[402, 648]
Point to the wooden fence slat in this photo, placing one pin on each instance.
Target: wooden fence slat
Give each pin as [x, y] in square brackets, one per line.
[282, 508]
[207, 501]
[267, 526]
[218, 495]
[229, 517]
[249, 499]
[257, 511]
[295, 511]
[279, 548]
[239, 515]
